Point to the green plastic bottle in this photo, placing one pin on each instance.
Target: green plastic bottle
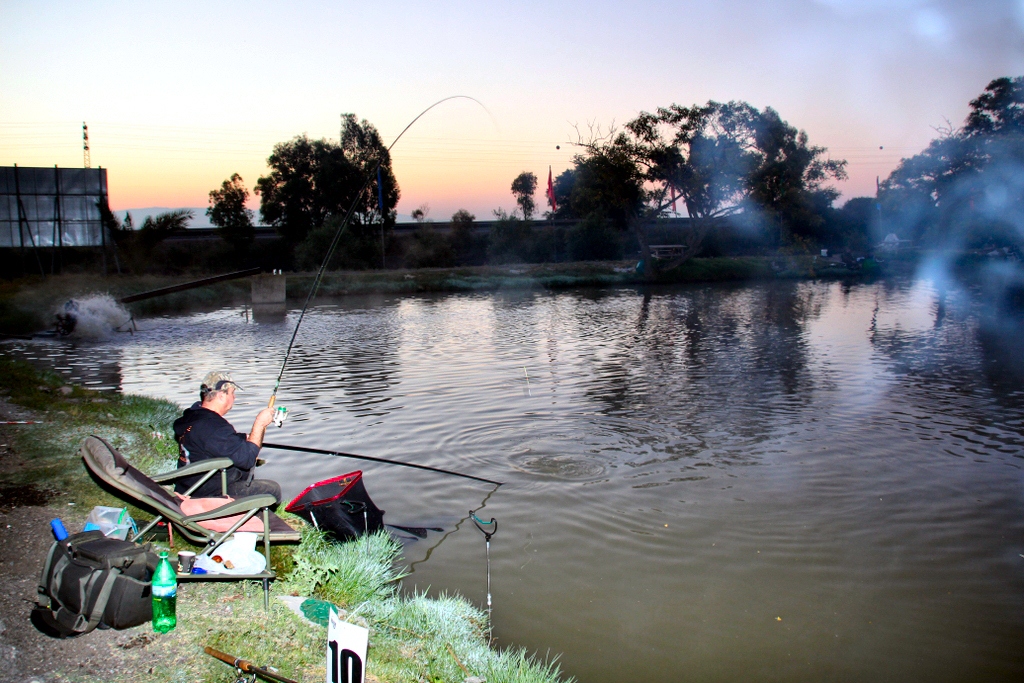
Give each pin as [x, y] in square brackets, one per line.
[165, 595]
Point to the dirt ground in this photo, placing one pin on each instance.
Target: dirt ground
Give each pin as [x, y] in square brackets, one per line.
[26, 655]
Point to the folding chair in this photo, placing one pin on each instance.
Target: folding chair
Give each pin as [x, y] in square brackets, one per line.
[111, 468]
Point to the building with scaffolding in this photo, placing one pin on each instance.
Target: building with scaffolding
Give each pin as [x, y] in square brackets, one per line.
[52, 209]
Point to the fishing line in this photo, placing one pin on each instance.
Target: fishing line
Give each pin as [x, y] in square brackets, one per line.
[458, 525]
[341, 229]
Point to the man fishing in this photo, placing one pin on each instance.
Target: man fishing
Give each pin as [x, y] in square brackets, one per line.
[203, 433]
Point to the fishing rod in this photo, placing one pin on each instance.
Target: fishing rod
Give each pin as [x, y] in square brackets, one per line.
[341, 229]
[340, 454]
[246, 666]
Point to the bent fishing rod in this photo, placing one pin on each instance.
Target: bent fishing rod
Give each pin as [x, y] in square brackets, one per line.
[340, 454]
[341, 229]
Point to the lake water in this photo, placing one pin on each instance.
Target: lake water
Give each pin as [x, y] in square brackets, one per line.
[797, 481]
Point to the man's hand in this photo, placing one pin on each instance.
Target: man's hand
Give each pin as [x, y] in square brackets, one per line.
[260, 424]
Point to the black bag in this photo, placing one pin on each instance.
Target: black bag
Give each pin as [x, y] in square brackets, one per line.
[90, 580]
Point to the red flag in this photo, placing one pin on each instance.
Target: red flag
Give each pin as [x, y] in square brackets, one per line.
[672, 193]
[551, 192]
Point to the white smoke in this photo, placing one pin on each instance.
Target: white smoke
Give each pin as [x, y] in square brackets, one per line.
[97, 316]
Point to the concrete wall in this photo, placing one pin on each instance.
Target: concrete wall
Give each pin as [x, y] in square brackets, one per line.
[268, 289]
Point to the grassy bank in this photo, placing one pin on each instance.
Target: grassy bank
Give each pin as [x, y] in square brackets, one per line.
[28, 305]
[411, 638]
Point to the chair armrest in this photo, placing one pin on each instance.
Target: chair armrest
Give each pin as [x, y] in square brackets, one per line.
[242, 505]
[194, 468]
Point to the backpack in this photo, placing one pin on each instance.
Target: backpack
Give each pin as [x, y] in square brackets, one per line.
[91, 580]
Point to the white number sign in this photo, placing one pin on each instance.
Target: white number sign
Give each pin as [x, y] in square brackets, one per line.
[346, 651]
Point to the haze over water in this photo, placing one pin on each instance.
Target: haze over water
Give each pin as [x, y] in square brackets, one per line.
[796, 481]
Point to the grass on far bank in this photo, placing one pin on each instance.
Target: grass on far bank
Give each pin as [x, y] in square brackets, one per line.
[28, 305]
[413, 638]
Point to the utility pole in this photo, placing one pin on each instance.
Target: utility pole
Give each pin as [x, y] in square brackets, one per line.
[878, 204]
[85, 146]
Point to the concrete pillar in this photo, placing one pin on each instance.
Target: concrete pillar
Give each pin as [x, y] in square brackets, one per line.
[268, 289]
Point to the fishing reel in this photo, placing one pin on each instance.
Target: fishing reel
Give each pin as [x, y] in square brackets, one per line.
[280, 414]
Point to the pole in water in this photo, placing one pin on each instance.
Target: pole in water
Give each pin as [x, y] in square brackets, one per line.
[481, 524]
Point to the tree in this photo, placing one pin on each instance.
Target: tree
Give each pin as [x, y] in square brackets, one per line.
[593, 239]
[461, 235]
[695, 154]
[702, 155]
[857, 221]
[137, 245]
[609, 182]
[966, 188]
[228, 212]
[314, 181]
[718, 159]
[523, 188]
[155, 229]
[787, 186]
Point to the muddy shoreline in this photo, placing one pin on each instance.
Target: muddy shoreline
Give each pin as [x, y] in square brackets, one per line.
[26, 655]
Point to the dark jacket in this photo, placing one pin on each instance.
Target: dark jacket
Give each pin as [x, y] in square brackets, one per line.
[203, 434]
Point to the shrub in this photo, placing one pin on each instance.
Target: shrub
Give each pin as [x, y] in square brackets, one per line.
[511, 240]
[429, 249]
[359, 247]
[593, 239]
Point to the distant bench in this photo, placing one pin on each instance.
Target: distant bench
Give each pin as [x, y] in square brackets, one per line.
[665, 251]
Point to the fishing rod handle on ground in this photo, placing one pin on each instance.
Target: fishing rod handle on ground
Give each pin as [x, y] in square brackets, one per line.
[246, 666]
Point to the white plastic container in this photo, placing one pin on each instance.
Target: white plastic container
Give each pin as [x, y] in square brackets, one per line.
[113, 522]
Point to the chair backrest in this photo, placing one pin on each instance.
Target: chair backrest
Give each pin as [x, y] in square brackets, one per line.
[105, 462]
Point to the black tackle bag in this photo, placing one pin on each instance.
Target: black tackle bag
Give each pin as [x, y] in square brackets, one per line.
[90, 580]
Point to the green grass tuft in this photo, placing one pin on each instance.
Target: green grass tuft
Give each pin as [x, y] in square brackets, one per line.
[347, 574]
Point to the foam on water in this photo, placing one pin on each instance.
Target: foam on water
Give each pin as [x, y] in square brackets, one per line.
[98, 315]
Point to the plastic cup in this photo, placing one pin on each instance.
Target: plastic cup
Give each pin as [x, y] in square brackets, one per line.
[186, 560]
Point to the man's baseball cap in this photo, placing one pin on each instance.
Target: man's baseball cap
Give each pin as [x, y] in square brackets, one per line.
[217, 381]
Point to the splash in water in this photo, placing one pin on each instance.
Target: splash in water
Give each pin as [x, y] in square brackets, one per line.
[92, 317]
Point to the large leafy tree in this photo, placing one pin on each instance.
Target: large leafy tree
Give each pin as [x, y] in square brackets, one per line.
[787, 185]
[967, 187]
[312, 182]
[719, 159]
[228, 212]
[702, 155]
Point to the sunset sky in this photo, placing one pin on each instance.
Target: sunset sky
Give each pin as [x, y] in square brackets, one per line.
[178, 97]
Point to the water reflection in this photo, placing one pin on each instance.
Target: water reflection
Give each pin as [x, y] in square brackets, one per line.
[684, 466]
[347, 359]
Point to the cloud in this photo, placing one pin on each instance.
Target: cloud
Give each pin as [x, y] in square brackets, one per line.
[932, 24]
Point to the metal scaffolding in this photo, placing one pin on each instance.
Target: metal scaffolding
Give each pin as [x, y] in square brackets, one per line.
[52, 207]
